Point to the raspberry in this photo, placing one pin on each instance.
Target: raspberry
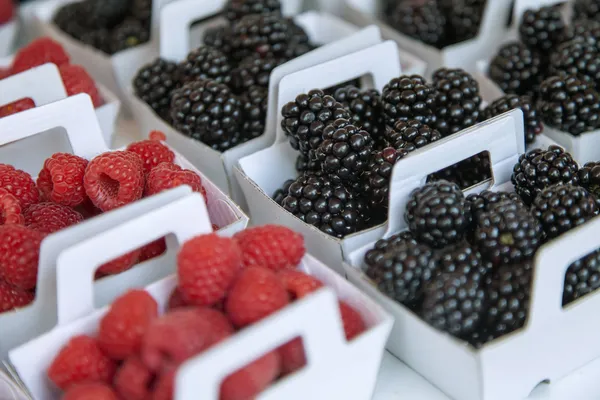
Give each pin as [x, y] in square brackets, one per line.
[61, 179]
[7, 11]
[152, 250]
[16, 107]
[168, 176]
[19, 254]
[77, 80]
[152, 153]
[114, 179]
[118, 265]
[256, 294]
[81, 360]
[133, 379]
[251, 380]
[89, 391]
[11, 297]
[271, 246]
[165, 386]
[50, 217]
[181, 334]
[122, 328]
[157, 135]
[176, 300]
[293, 356]
[20, 184]
[297, 283]
[4, 73]
[40, 51]
[207, 267]
[353, 322]
[215, 227]
[10, 209]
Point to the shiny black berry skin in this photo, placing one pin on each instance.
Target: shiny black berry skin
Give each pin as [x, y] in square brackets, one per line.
[365, 108]
[577, 58]
[282, 192]
[206, 63]
[561, 208]
[254, 107]
[466, 173]
[479, 337]
[129, 33]
[516, 69]
[154, 84]
[582, 278]
[585, 30]
[218, 37]
[586, 9]
[531, 117]
[542, 29]
[407, 98]
[420, 20]
[383, 246]
[465, 18]
[462, 258]
[306, 164]
[482, 202]
[105, 13]
[410, 135]
[538, 169]
[237, 9]
[254, 71]
[437, 214]
[262, 34]
[379, 175]
[589, 178]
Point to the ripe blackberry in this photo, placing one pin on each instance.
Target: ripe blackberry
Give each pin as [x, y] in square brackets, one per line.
[307, 164]
[516, 69]
[305, 118]
[128, 34]
[410, 135]
[237, 9]
[282, 193]
[582, 278]
[97, 38]
[263, 34]
[206, 63]
[507, 233]
[218, 37]
[538, 169]
[379, 175]
[586, 10]
[330, 207]
[105, 13]
[585, 30]
[384, 246]
[365, 108]
[254, 71]
[531, 118]
[561, 208]
[479, 337]
[409, 97]
[401, 272]
[422, 20]
[462, 258]
[458, 100]
[154, 84]
[465, 19]
[508, 298]
[207, 111]
[142, 10]
[299, 35]
[542, 29]
[436, 214]
[466, 173]
[589, 178]
[352, 82]
[484, 201]
[254, 106]
[579, 59]
[70, 18]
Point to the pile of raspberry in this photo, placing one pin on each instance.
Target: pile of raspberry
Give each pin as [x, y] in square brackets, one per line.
[225, 285]
[68, 190]
[39, 52]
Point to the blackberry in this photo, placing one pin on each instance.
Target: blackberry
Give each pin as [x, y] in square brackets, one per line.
[462, 258]
[516, 69]
[561, 208]
[305, 118]
[458, 100]
[409, 97]
[410, 135]
[579, 59]
[365, 108]
[237, 9]
[263, 34]
[589, 178]
[379, 175]
[508, 297]
[206, 63]
[587, 31]
[130, 33]
[254, 106]
[586, 9]
[436, 214]
[484, 201]
[422, 20]
[105, 13]
[319, 202]
[383, 246]
[70, 19]
[154, 84]
[307, 164]
[479, 337]
[538, 169]
[582, 278]
[254, 71]
[282, 193]
[218, 37]
[97, 38]
[531, 118]
[207, 111]
[465, 18]
[542, 29]
[142, 10]
[508, 233]
[466, 173]
[352, 82]
[299, 35]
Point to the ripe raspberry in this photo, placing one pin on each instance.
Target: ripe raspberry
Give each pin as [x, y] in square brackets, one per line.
[61, 179]
[77, 80]
[7, 11]
[10, 209]
[11, 297]
[114, 179]
[19, 254]
[133, 380]
[181, 334]
[50, 217]
[353, 322]
[90, 391]
[271, 246]
[79, 361]
[118, 265]
[4, 73]
[293, 356]
[207, 267]
[215, 227]
[157, 135]
[165, 386]
[20, 184]
[40, 51]
[256, 294]
[297, 283]
[251, 380]
[152, 153]
[122, 328]
[152, 250]
[168, 176]
[16, 107]
[176, 300]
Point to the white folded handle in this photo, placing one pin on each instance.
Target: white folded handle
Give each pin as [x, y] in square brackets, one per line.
[41, 84]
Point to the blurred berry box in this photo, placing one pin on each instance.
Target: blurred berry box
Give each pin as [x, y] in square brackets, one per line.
[70, 125]
[337, 368]
[8, 34]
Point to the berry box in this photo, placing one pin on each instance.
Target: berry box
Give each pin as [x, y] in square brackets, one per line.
[511, 366]
[332, 371]
[8, 34]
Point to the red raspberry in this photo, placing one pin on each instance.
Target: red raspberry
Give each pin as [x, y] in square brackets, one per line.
[88, 209]
[168, 176]
[77, 80]
[251, 380]
[4, 73]
[157, 135]
[122, 328]
[61, 179]
[133, 380]
[353, 322]
[271, 246]
[215, 227]
[256, 294]
[176, 300]
[11, 297]
[114, 179]
[165, 386]
[152, 153]
[118, 265]
[20, 184]
[16, 107]
[50, 217]
[181, 334]
[207, 266]
[40, 51]
[153, 250]
[10, 209]
[81, 360]
[293, 356]
[90, 391]
[19, 255]
[7, 11]
[297, 283]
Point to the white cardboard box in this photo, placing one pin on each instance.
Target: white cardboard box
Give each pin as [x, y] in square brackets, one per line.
[8, 33]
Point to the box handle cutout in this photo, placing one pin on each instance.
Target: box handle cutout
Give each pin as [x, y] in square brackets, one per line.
[41, 84]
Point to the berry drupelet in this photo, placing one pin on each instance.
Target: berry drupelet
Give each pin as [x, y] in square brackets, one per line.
[422, 20]
[154, 84]
[262, 34]
[304, 164]
[465, 18]
[254, 107]
[409, 97]
[462, 258]
[105, 13]
[410, 135]
[542, 29]
[516, 69]
[218, 37]
[586, 10]
[379, 175]
[365, 108]
[206, 63]
[384, 246]
[254, 70]
[466, 173]
[483, 202]
[582, 278]
[237, 9]
[129, 33]
[589, 178]
[282, 193]
[531, 117]
[577, 58]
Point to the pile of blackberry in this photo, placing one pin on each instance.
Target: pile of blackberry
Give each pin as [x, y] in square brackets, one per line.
[110, 26]
[218, 94]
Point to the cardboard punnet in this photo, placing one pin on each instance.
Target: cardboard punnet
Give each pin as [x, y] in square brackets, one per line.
[261, 173]
[8, 33]
[331, 372]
